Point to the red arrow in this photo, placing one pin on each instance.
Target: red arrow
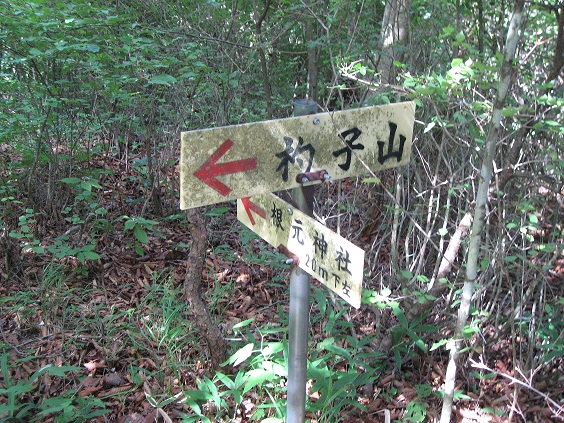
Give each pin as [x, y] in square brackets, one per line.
[210, 170]
[249, 205]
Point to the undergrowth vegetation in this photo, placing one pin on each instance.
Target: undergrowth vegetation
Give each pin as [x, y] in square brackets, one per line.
[94, 320]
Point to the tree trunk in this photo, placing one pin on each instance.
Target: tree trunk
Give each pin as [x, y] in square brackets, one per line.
[209, 330]
[492, 139]
[516, 147]
[394, 32]
[263, 61]
[312, 62]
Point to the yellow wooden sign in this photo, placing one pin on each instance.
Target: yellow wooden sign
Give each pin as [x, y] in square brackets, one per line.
[223, 164]
[332, 260]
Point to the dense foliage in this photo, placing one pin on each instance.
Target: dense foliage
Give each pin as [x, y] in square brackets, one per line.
[93, 96]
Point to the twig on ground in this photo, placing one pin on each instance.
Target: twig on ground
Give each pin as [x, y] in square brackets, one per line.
[559, 408]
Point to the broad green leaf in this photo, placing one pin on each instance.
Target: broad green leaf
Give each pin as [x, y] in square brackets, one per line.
[91, 255]
[140, 234]
[425, 90]
[371, 180]
[217, 212]
[241, 355]
[257, 377]
[547, 248]
[422, 278]
[509, 111]
[429, 126]
[243, 323]
[406, 274]
[163, 79]
[94, 48]
[399, 314]
[71, 181]
[272, 348]
[226, 380]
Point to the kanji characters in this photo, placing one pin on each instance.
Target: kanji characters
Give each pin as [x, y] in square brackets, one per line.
[276, 216]
[298, 231]
[391, 153]
[293, 155]
[343, 260]
[355, 132]
[320, 244]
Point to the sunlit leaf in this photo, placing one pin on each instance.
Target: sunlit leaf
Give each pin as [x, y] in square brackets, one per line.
[163, 79]
[241, 355]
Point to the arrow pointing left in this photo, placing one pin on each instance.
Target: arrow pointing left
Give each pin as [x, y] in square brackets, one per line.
[250, 206]
[210, 170]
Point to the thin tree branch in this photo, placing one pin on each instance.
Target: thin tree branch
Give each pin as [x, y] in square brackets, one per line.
[559, 408]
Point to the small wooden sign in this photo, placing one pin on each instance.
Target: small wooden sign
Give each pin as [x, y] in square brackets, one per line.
[331, 259]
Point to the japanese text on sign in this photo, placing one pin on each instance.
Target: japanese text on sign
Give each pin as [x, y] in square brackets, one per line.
[331, 259]
[240, 161]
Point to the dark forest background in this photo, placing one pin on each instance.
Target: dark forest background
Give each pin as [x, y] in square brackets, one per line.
[104, 312]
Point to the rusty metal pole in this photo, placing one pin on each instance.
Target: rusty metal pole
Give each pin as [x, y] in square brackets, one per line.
[299, 305]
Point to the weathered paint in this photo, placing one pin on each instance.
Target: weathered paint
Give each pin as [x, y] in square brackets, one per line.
[226, 163]
[331, 259]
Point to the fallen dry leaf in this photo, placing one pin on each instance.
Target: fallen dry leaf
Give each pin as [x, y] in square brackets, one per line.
[92, 365]
[112, 380]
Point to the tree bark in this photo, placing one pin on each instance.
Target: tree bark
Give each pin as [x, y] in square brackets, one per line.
[203, 320]
[417, 308]
[394, 32]
[481, 27]
[516, 147]
[263, 61]
[312, 62]
[486, 171]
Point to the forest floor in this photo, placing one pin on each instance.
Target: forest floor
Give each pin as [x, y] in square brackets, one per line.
[93, 316]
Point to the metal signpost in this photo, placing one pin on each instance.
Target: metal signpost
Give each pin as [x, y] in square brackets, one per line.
[298, 319]
[248, 162]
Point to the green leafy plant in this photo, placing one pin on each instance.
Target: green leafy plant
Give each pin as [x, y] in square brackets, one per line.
[83, 187]
[262, 368]
[207, 393]
[139, 226]
[66, 408]
[337, 388]
[62, 248]
[262, 365]
[549, 332]
[415, 411]
[71, 408]
[411, 330]
[166, 326]
[405, 335]
[26, 232]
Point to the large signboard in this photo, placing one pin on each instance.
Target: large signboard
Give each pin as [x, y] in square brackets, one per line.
[227, 163]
